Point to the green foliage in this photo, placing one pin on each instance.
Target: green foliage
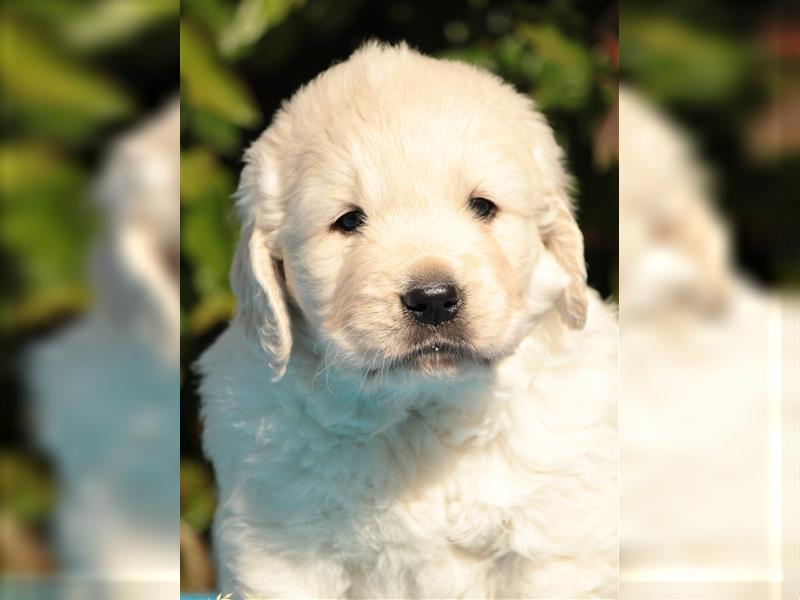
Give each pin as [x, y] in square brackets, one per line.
[45, 229]
[208, 84]
[208, 233]
[557, 71]
[251, 20]
[198, 498]
[560, 67]
[50, 93]
[57, 105]
[102, 25]
[26, 490]
[676, 61]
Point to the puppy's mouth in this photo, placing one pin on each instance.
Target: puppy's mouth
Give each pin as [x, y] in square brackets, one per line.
[447, 351]
[436, 357]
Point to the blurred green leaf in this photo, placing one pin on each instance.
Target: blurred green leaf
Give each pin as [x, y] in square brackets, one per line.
[218, 133]
[27, 167]
[211, 311]
[201, 175]
[674, 61]
[52, 13]
[51, 93]
[198, 497]
[560, 68]
[26, 490]
[557, 71]
[46, 228]
[110, 22]
[213, 15]
[208, 84]
[209, 233]
[252, 19]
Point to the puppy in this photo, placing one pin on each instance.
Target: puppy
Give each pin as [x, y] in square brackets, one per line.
[416, 397]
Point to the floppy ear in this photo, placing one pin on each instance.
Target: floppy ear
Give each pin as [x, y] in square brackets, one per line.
[564, 241]
[559, 230]
[256, 275]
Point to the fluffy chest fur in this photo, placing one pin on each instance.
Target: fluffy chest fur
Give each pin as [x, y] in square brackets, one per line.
[502, 485]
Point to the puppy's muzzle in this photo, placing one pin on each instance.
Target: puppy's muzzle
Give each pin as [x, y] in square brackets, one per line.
[432, 303]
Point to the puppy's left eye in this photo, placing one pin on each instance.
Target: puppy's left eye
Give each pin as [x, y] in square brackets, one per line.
[482, 208]
[350, 222]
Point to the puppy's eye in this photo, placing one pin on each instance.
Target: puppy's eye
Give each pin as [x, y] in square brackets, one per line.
[350, 222]
[482, 208]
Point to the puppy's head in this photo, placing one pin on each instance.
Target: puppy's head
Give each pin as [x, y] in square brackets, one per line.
[675, 253]
[412, 213]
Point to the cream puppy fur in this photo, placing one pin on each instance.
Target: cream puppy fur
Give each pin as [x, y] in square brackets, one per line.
[372, 444]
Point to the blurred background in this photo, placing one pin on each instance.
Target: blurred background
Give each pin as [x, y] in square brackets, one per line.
[730, 78]
[709, 272]
[80, 159]
[240, 59]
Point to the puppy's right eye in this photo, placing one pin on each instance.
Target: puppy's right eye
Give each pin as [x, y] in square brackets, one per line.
[482, 208]
[350, 222]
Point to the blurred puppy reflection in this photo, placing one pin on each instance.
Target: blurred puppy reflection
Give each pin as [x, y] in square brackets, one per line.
[105, 390]
[701, 489]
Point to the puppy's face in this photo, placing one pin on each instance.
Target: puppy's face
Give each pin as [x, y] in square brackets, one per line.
[414, 255]
[413, 232]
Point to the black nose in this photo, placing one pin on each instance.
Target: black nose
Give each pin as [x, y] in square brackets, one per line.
[432, 303]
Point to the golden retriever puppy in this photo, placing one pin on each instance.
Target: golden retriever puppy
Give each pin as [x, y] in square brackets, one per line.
[416, 397]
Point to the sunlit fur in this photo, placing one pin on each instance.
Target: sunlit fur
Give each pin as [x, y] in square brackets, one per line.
[353, 459]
